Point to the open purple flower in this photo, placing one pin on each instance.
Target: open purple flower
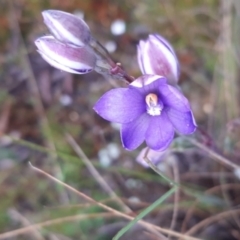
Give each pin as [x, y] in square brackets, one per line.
[149, 110]
[156, 56]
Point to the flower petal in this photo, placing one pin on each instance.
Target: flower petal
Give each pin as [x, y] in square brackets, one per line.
[133, 133]
[148, 83]
[67, 27]
[60, 66]
[156, 56]
[160, 132]
[164, 42]
[147, 79]
[183, 122]
[140, 56]
[173, 98]
[66, 57]
[120, 105]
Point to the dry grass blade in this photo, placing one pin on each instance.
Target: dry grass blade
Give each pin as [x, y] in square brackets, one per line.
[213, 154]
[95, 173]
[176, 194]
[37, 226]
[100, 179]
[14, 214]
[212, 190]
[227, 198]
[206, 222]
[113, 211]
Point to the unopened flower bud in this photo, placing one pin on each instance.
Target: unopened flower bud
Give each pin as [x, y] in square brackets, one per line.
[67, 27]
[66, 57]
[156, 56]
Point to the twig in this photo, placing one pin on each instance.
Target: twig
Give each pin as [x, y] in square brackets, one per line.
[25, 222]
[209, 191]
[33, 227]
[80, 205]
[213, 154]
[176, 194]
[95, 173]
[175, 183]
[211, 220]
[117, 213]
[213, 175]
[116, 68]
[155, 169]
[227, 198]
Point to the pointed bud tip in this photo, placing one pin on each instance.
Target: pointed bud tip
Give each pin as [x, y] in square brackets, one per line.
[46, 16]
[39, 41]
[157, 56]
[67, 27]
[45, 13]
[52, 13]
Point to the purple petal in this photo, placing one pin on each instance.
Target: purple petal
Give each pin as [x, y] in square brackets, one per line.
[140, 56]
[148, 83]
[172, 97]
[164, 42]
[167, 62]
[183, 122]
[133, 133]
[120, 105]
[160, 132]
[66, 57]
[67, 27]
[156, 56]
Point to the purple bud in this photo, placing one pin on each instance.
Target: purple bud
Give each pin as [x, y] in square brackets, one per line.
[67, 27]
[68, 58]
[156, 56]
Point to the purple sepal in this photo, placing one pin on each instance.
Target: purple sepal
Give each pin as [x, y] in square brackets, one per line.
[156, 56]
[66, 57]
[67, 27]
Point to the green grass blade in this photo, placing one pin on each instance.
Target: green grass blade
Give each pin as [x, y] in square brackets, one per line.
[144, 213]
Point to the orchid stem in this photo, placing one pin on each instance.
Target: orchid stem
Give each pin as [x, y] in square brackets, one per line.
[155, 169]
[116, 67]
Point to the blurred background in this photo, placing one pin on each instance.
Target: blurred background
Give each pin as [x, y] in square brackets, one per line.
[46, 118]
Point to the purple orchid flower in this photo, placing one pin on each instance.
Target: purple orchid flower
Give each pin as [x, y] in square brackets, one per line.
[149, 110]
[156, 56]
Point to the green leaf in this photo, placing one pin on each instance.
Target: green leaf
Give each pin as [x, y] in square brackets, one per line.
[144, 213]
